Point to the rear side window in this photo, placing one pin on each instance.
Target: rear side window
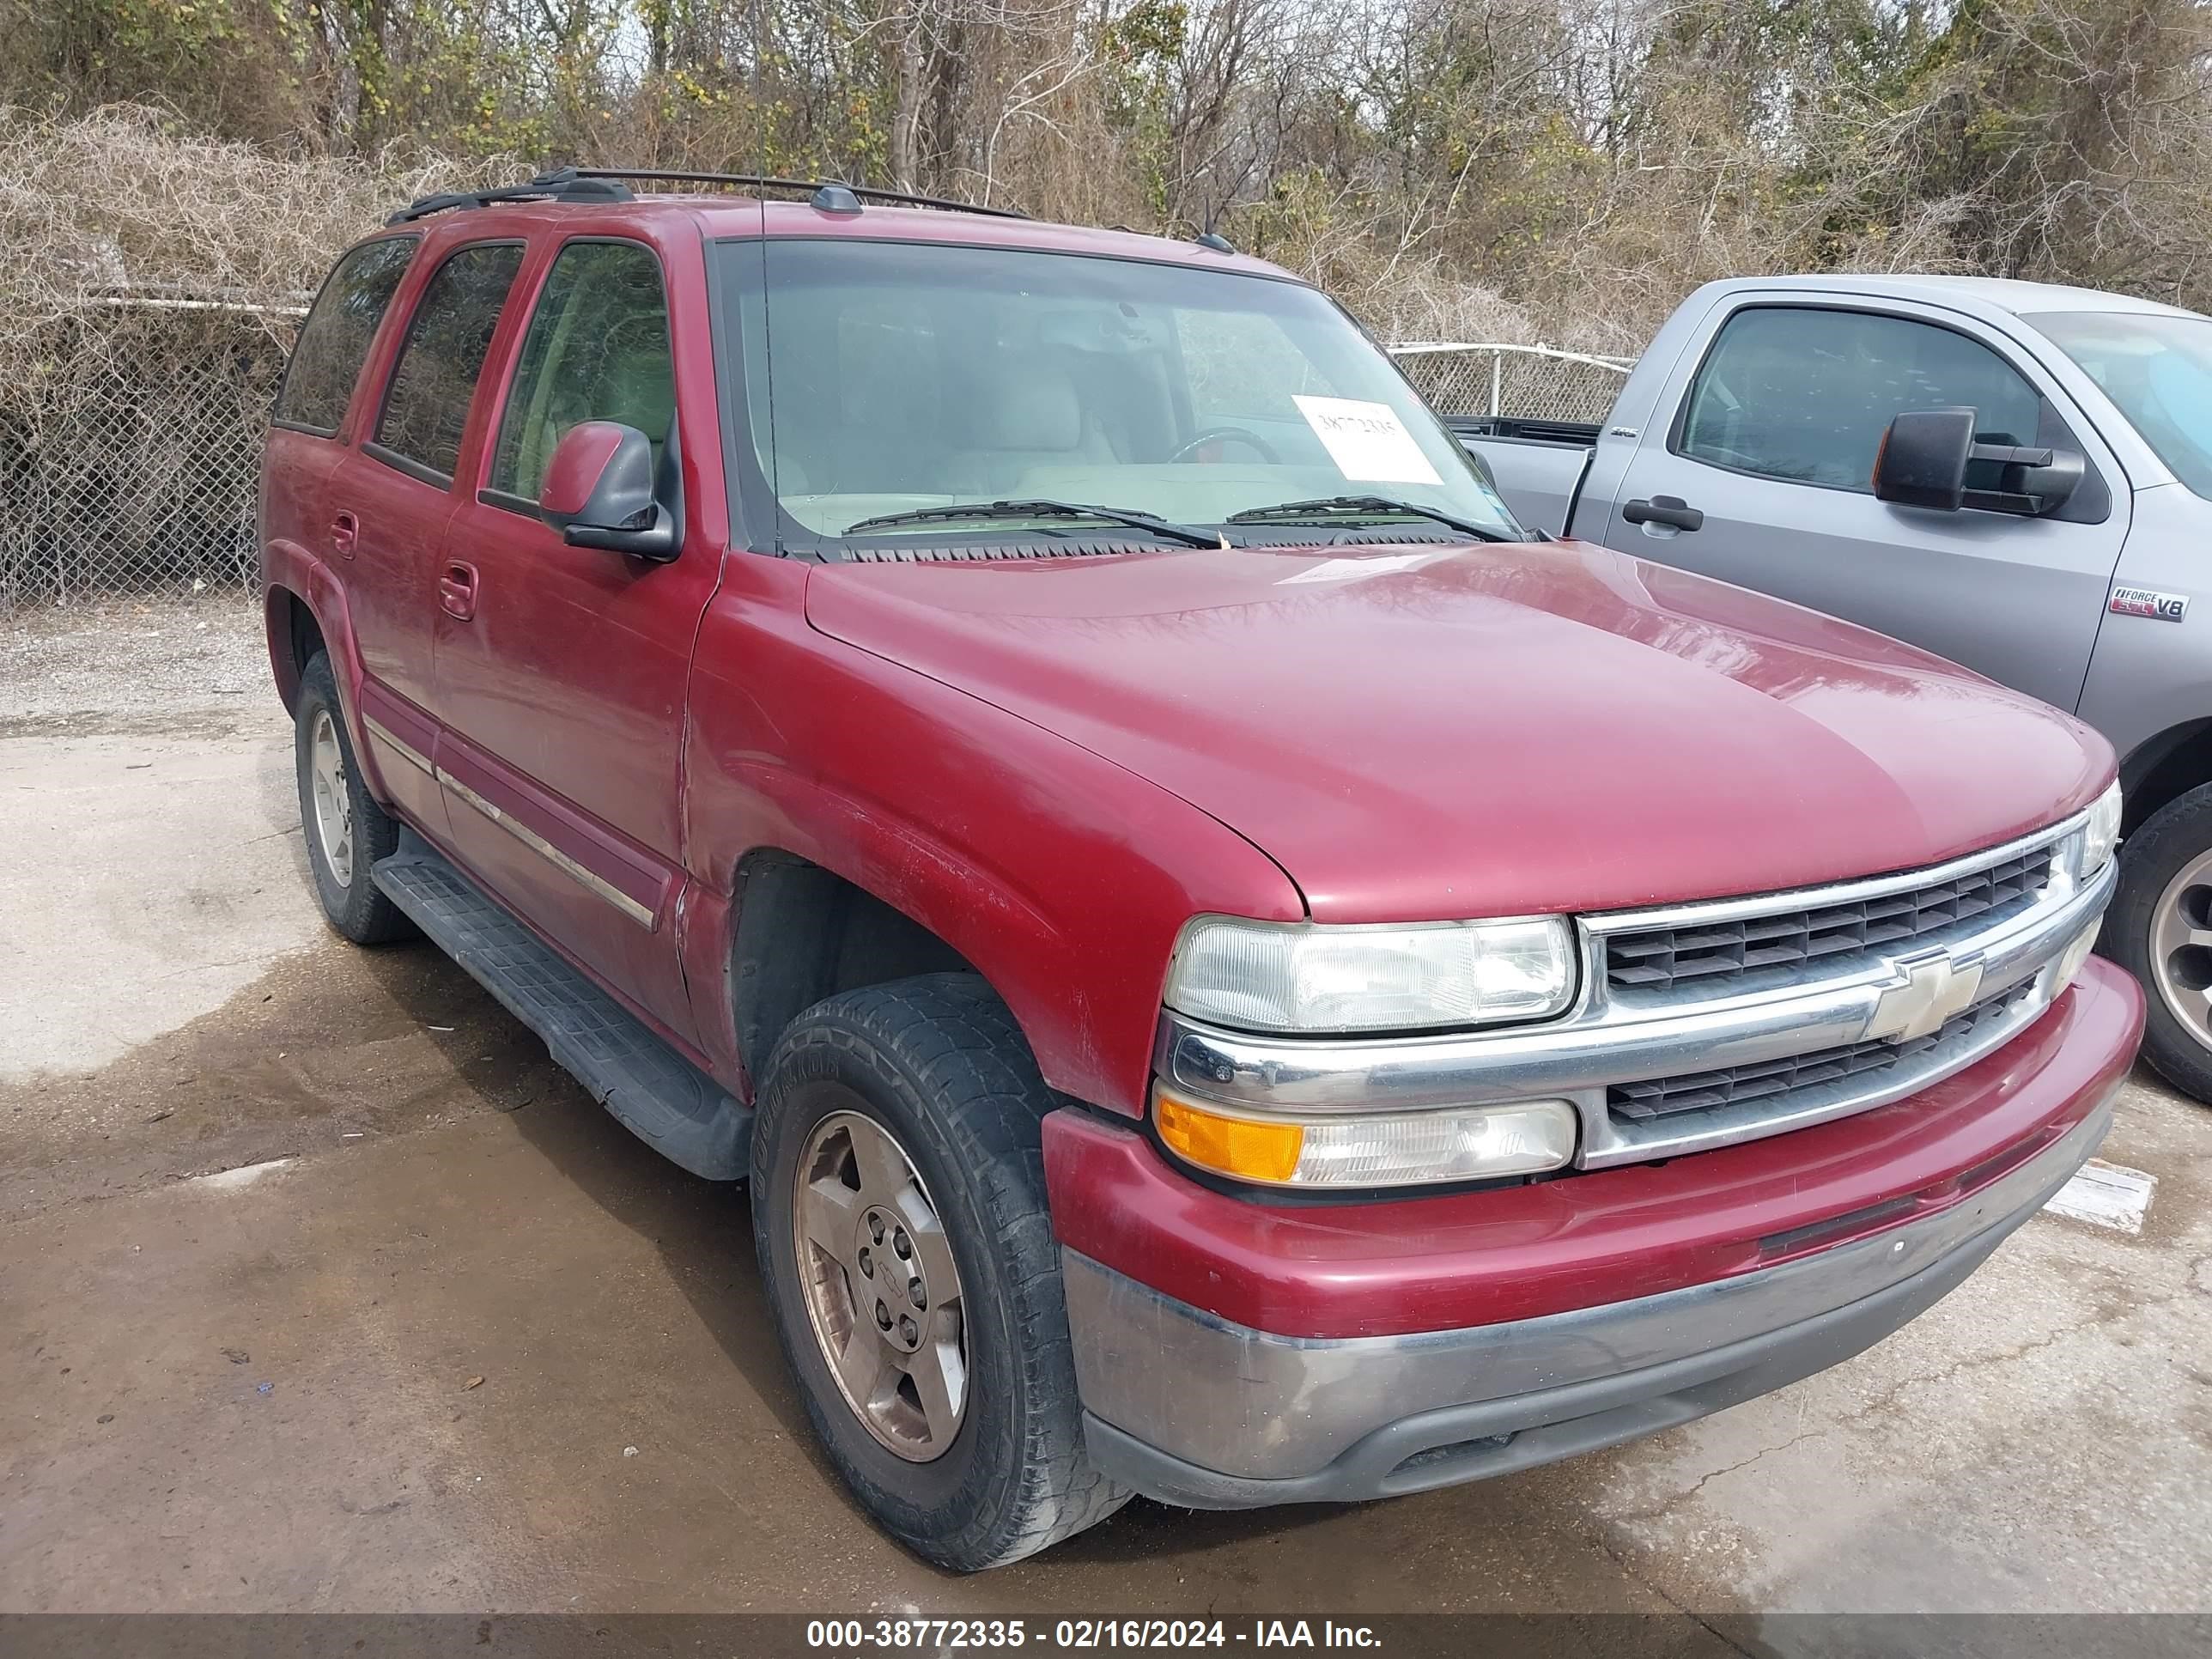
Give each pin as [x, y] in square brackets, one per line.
[427, 407]
[597, 350]
[1805, 392]
[334, 342]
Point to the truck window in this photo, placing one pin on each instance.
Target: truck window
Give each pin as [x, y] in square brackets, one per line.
[2157, 370]
[1804, 393]
[887, 378]
[597, 350]
[426, 406]
[335, 340]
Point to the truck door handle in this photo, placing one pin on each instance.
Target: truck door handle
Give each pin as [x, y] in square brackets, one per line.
[345, 534]
[457, 589]
[1664, 509]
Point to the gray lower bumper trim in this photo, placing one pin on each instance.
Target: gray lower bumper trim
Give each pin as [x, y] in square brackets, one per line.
[1387, 1451]
[1498, 1436]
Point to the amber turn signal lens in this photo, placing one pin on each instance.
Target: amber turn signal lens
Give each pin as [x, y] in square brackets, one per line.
[1343, 1152]
[1233, 1145]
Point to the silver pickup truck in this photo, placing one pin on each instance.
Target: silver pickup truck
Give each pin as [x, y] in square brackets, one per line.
[2016, 477]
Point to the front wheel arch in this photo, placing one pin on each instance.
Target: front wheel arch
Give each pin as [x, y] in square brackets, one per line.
[2162, 768]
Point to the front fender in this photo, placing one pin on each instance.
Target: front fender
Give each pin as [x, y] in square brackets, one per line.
[1061, 877]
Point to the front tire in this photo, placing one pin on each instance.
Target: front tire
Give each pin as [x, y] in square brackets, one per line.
[346, 831]
[2159, 929]
[899, 1214]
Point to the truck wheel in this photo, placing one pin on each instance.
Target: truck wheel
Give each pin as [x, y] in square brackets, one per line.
[346, 831]
[2159, 929]
[899, 1214]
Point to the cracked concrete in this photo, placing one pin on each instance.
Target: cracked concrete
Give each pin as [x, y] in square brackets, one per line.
[440, 1204]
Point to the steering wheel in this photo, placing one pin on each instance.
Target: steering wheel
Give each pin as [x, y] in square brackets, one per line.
[1234, 435]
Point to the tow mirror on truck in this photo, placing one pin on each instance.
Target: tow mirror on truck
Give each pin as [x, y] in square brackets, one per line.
[601, 489]
[1924, 454]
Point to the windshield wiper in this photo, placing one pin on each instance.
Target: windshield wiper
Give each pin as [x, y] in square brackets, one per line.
[1325, 508]
[1040, 510]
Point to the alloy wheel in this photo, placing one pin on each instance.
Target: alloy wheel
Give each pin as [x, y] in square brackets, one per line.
[882, 1291]
[2181, 946]
[334, 799]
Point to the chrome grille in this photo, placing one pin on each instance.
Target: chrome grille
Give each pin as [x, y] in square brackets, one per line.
[1775, 1081]
[1703, 956]
[1756, 1045]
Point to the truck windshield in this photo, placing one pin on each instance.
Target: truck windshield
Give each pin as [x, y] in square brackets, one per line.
[2157, 371]
[888, 380]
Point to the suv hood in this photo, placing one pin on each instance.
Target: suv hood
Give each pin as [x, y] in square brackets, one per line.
[1418, 733]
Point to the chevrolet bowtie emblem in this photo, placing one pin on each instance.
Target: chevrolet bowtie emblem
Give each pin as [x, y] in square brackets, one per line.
[1935, 987]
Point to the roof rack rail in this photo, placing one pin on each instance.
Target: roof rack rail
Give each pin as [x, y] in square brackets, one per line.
[821, 187]
[564, 184]
[605, 185]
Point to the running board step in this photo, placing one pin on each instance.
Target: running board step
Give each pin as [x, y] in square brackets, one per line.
[657, 1094]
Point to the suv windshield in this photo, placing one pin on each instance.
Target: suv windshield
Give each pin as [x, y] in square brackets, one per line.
[888, 378]
[2157, 371]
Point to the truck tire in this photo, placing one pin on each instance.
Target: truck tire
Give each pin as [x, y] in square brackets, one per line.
[2159, 929]
[346, 831]
[899, 1214]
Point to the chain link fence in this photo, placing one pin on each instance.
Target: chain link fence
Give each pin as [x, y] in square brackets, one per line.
[1528, 382]
[131, 447]
[130, 451]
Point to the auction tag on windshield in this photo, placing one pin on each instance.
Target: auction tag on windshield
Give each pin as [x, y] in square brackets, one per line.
[1368, 441]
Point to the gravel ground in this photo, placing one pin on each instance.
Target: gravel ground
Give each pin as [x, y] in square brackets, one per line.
[186, 662]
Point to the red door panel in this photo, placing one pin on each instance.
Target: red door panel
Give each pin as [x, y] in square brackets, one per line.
[396, 526]
[562, 697]
[402, 741]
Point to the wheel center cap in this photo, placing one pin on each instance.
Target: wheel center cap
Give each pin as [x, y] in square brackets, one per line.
[891, 1290]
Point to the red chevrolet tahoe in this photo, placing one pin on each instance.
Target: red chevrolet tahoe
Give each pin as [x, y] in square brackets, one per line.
[1233, 971]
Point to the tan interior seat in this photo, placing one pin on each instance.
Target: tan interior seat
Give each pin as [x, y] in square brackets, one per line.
[1014, 419]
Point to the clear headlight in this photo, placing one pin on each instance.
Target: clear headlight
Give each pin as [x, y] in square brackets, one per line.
[2102, 833]
[1418, 1148]
[1275, 976]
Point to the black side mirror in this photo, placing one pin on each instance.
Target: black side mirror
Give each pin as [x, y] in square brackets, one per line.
[1922, 459]
[600, 490]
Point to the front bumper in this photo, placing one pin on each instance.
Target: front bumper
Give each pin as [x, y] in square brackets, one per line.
[1193, 1410]
[1194, 1406]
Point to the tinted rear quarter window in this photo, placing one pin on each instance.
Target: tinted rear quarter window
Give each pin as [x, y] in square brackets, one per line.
[335, 340]
[427, 407]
